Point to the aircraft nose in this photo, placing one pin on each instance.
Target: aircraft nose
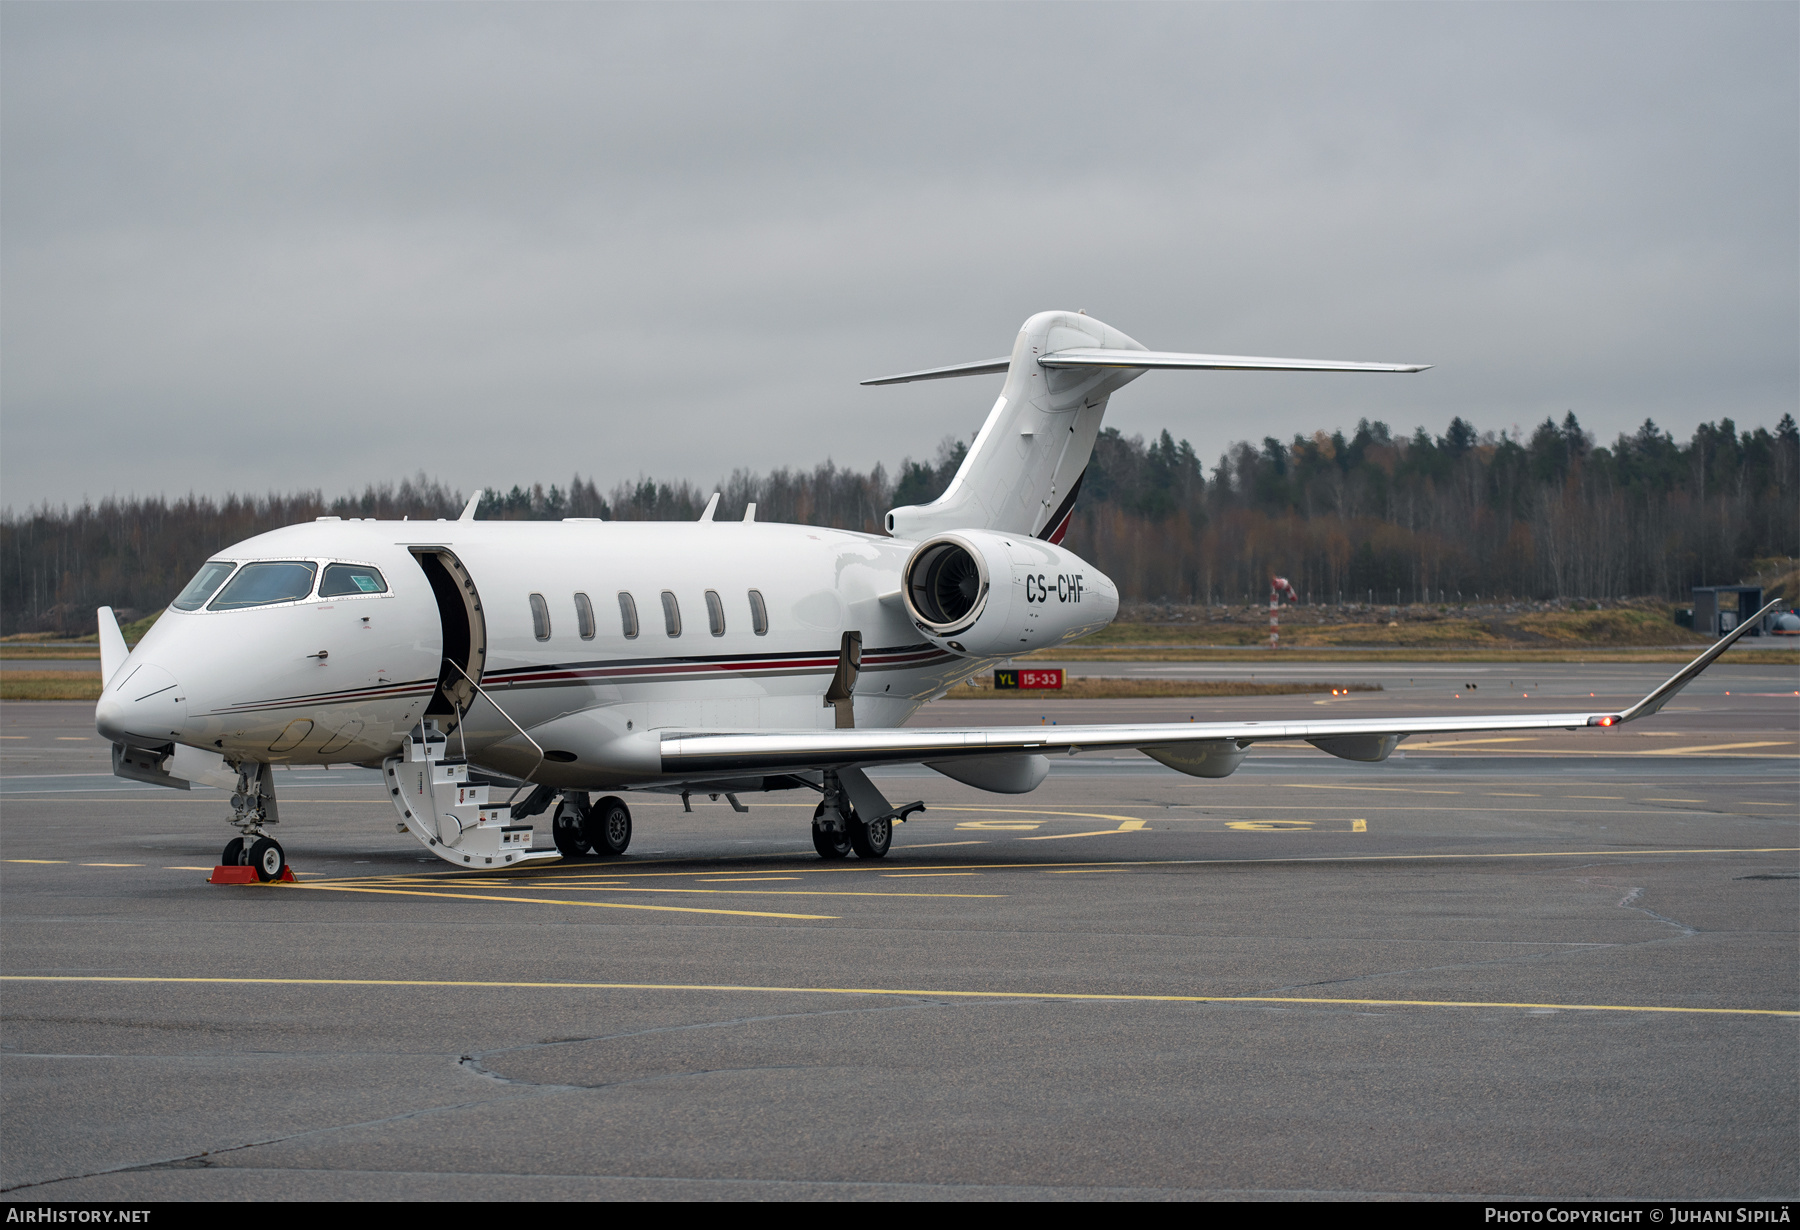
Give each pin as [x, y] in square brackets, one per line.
[145, 704]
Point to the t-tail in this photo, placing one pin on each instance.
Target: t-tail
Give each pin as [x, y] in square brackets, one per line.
[1023, 473]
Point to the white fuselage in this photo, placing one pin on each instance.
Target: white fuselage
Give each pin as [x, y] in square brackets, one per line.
[341, 680]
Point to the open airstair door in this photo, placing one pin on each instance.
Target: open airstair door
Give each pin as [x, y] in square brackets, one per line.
[465, 634]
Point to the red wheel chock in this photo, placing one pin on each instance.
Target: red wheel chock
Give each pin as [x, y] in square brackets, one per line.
[245, 875]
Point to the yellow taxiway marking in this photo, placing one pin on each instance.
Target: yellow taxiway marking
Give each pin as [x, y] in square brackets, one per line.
[715, 892]
[1038, 811]
[751, 880]
[1126, 826]
[1713, 747]
[1376, 789]
[595, 905]
[1413, 746]
[41, 860]
[1082, 871]
[1749, 803]
[792, 892]
[1502, 794]
[115, 865]
[1654, 751]
[997, 826]
[923, 875]
[353, 885]
[1056, 996]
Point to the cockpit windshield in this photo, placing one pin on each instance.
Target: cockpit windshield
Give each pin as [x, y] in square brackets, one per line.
[205, 583]
[266, 584]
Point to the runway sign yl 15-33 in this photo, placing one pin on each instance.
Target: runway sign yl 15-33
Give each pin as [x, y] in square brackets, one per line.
[1004, 680]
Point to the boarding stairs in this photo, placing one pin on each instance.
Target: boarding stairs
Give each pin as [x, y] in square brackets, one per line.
[431, 793]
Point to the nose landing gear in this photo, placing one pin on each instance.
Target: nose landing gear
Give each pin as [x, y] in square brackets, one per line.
[252, 807]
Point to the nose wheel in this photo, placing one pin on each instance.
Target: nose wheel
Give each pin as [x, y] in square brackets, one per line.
[263, 853]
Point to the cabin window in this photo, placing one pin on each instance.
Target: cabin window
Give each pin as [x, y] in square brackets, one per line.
[628, 616]
[350, 580]
[584, 617]
[205, 584]
[715, 613]
[671, 614]
[759, 614]
[540, 617]
[265, 585]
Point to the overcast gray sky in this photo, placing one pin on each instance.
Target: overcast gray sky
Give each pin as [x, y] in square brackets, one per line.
[263, 246]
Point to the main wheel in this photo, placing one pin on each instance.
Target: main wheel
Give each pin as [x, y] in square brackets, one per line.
[234, 853]
[830, 843]
[568, 827]
[871, 840]
[267, 857]
[608, 828]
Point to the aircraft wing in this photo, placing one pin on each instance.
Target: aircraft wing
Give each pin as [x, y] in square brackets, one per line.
[1185, 746]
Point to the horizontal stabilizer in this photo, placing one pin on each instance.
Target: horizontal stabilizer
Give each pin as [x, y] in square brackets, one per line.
[983, 367]
[1210, 362]
[1140, 360]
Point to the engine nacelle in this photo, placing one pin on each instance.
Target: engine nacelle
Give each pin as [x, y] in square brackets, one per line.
[984, 594]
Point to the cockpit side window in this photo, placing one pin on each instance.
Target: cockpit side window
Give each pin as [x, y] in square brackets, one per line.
[266, 584]
[205, 583]
[351, 580]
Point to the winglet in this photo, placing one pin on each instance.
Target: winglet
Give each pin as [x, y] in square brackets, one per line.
[1657, 699]
[468, 512]
[113, 650]
[712, 506]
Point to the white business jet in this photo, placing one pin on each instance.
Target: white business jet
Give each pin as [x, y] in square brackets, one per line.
[563, 660]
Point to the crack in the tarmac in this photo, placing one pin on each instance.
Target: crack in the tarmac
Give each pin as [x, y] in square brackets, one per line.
[207, 1158]
[476, 1062]
[204, 1159]
[1625, 902]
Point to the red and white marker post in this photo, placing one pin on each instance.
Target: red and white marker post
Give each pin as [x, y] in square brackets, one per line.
[1278, 589]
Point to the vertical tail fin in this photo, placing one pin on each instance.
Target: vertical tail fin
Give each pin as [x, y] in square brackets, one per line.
[1024, 470]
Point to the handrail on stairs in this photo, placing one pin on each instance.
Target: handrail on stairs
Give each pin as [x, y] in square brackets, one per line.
[503, 713]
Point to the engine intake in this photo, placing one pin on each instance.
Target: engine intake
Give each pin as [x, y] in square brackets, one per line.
[980, 593]
[946, 586]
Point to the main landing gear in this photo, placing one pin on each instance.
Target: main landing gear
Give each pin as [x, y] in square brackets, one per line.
[836, 834]
[602, 828]
[864, 824]
[253, 807]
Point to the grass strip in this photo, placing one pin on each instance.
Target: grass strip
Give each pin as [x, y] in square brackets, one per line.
[49, 685]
